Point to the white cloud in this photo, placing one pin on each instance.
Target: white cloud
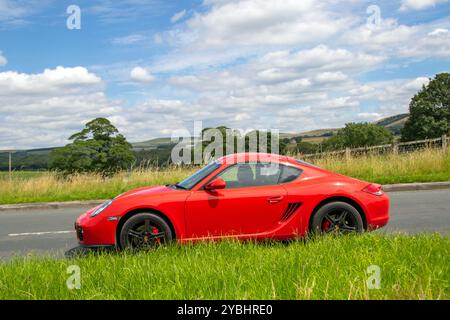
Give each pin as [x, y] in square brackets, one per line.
[259, 23]
[419, 4]
[3, 60]
[434, 44]
[369, 116]
[130, 39]
[388, 35]
[178, 16]
[282, 71]
[16, 13]
[321, 58]
[140, 74]
[438, 32]
[43, 109]
[52, 81]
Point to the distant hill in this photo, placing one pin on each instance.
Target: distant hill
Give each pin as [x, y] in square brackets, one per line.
[394, 123]
[152, 144]
[313, 136]
[158, 149]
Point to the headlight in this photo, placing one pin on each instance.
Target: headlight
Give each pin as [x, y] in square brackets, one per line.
[102, 207]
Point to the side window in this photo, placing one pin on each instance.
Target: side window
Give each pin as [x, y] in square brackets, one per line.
[267, 174]
[289, 174]
[244, 175]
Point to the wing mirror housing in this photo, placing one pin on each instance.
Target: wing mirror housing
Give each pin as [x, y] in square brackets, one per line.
[217, 184]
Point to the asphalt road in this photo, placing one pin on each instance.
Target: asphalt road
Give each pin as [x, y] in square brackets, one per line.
[50, 231]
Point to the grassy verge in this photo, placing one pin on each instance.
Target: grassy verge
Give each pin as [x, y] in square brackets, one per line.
[422, 166]
[412, 267]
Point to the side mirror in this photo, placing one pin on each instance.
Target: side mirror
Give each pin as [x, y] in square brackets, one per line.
[216, 184]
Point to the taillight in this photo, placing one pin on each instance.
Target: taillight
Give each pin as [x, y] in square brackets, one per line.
[375, 189]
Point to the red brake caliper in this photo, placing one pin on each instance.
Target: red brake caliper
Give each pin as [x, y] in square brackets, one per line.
[326, 225]
[155, 231]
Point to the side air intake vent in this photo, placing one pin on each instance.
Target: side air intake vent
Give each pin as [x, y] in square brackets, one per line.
[292, 207]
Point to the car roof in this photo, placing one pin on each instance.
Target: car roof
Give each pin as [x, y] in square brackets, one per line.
[256, 157]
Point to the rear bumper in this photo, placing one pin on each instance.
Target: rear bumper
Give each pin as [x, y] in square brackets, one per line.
[377, 212]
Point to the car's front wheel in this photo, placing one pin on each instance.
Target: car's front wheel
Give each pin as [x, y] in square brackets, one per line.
[337, 218]
[143, 231]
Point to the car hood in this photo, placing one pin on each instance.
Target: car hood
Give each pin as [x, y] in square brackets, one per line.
[146, 191]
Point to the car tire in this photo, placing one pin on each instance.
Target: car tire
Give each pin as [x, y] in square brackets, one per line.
[337, 218]
[144, 231]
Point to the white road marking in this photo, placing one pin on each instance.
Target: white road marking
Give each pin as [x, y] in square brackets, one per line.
[38, 233]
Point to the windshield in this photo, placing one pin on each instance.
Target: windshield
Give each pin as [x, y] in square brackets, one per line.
[198, 176]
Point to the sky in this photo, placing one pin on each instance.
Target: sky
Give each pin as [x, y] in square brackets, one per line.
[154, 67]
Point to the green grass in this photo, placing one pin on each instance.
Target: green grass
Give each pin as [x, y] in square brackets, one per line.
[412, 267]
[24, 187]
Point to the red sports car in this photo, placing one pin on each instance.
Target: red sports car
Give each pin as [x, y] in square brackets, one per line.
[244, 196]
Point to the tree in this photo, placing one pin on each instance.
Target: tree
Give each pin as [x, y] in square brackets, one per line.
[99, 147]
[429, 111]
[304, 147]
[359, 135]
[232, 141]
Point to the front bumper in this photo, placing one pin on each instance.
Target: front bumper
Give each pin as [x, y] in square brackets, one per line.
[80, 232]
[96, 231]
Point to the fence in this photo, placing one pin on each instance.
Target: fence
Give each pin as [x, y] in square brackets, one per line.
[395, 148]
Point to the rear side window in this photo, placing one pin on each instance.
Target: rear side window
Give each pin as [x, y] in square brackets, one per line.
[289, 174]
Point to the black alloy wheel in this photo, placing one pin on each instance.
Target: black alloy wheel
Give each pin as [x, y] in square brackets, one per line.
[337, 218]
[145, 231]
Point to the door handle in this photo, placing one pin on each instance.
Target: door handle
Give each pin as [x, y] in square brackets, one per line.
[274, 200]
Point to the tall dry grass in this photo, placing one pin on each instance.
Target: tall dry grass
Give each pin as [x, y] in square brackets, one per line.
[48, 186]
[419, 166]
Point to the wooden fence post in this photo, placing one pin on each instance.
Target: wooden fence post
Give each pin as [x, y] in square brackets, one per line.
[444, 142]
[395, 148]
[10, 166]
[348, 153]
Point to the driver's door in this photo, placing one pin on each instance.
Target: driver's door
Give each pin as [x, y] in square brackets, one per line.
[251, 203]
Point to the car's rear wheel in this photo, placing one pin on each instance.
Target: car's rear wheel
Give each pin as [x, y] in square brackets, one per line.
[144, 231]
[337, 218]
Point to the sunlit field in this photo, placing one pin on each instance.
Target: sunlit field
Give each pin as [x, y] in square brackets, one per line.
[411, 267]
[24, 187]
